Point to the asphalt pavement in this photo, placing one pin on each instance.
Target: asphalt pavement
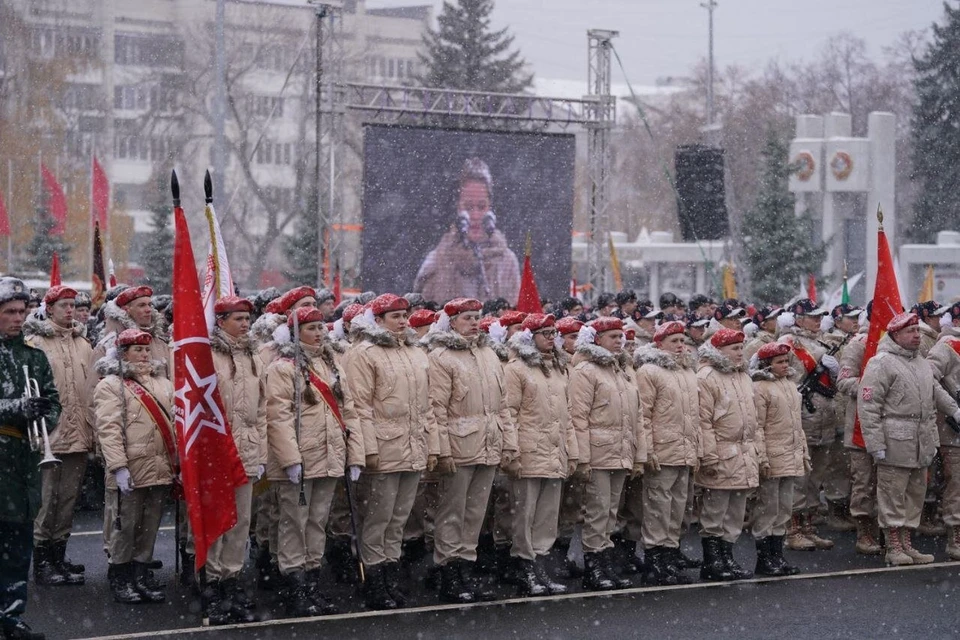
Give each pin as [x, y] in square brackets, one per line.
[839, 595]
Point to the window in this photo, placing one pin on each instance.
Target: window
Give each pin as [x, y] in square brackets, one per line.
[390, 70]
[148, 50]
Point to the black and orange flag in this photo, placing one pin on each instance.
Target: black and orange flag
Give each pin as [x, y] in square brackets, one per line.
[99, 292]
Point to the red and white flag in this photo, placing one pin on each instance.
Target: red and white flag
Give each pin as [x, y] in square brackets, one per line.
[100, 194]
[209, 462]
[218, 282]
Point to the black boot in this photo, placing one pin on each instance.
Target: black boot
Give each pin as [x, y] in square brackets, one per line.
[432, 579]
[486, 554]
[268, 575]
[312, 578]
[554, 588]
[683, 561]
[342, 562]
[673, 562]
[776, 547]
[655, 571]
[16, 629]
[470, 580]
[628, 548]
[413, 550]
[68, 566]
[526, 579]
[145, 586]
[122, 585]
[713, 568]
[188, 575]
[216, 611]
[607, 562]
[507, 567]
[232, 598]
[299, 604]
[375, 593]
[238, 595]
[594, 577]
[767, 564]
[391, 571]
[452, 589]
[45, 570]
[739, 573]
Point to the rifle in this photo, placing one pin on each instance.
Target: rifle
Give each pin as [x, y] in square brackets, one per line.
[353, 523]
[298, 397]
[811, 382]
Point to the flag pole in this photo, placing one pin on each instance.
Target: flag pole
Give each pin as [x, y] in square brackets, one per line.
[93, 145]
[10, 205]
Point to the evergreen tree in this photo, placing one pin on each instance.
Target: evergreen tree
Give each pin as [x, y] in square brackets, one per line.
[301, 247]
[936, 132]
[157, 253]
[39, 252]
[464, 53]
[781, 250]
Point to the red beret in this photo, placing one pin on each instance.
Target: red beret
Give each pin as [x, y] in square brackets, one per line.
[130, 294]
[59, 292]
[352, 311]
[902, 321]
[230, 304]
[668, 329]
[290, 298]
[486, 321]
[629, 334]
[272, 306]
[511, 317]
[725, 337]
[305, 315]
[536, 321]
[422, 318]
[772, 350]
[129, 337]
[460, 305]
[388, 302]
[568, 325]
[606, 324]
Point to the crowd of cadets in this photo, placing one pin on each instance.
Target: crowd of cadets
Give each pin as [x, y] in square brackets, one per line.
[490, 436]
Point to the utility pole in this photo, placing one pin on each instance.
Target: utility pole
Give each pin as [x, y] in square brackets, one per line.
[322, 221]
[710, 5]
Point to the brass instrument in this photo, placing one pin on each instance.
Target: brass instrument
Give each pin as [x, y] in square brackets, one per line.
[37, 429]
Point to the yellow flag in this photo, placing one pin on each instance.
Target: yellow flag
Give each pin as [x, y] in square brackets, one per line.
[926, 292]
[729, 282]
[615, 265]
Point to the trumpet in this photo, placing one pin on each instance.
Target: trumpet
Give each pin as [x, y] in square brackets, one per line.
[37, 431]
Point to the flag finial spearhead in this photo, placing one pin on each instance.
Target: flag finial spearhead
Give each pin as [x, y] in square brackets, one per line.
[880, 215]
[528, 247]
[208, 187]
[175, 188]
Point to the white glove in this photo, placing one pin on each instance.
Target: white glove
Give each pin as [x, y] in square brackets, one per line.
[754, 362]
[750, 329]
[946, 320]
[831, 363]
[260, 471]
[124, 481]
[879, 456]
[786, 320]
[294, 473]
[862, 320]
[826, 324]
[354, 472]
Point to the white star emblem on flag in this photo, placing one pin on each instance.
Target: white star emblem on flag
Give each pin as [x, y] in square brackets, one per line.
[199, 407]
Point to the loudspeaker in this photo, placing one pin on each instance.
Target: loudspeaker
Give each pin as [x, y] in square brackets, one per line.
[703, 211]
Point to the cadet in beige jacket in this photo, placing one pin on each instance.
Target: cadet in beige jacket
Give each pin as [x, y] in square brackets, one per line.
[945, 358]
[782, 452]
[667, 379]
[728, 468]
[388, 377]
[571, 497]
[306, 466]
[134, 426]
[476, 435]
[536, 381]
[68, 351]
[898, 404]
[605, 412]
[242, 389]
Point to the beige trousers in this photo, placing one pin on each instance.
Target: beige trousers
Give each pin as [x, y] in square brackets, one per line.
[900, 494]
[423, 515]
[301, 530]
[390, 498]
[537, 503]
[600, 505]
[463, 503]
[630, 513]
[806, 494]
[722, 513]
[140, 513]
[228, 552]
[664, 501]
[863, 484]
[950, 505]
[836, 484]
[61, 488]
[774, 507]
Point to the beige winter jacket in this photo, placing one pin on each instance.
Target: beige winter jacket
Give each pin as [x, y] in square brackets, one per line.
[605, 410]
[469, 400]
[128, 435]
[780, 440]
[159, 349]
[898, 404]
[240, 377]
[762, 338]
[728, 424]
[537, 397]
[848, 382]
[69, 354]
[928, 338]
[452, 270]
[671, 406]
[389, 384]
[945, 360]
[323, 448]
[821, 425]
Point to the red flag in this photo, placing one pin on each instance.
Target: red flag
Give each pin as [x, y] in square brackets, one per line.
[210, 466]
[529, 299]
[886, 304]
[57, 202]
[336, 285]
[100, 194]
[4, 219]
[812, 288]
[99, 294]
[55, 271]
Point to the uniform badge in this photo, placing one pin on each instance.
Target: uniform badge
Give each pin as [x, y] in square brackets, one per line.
[844, 373]
[867, 394]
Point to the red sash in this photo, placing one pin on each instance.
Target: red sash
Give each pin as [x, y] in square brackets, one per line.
[810, 363]
[162, 421]
[327, 394]
[955, 345]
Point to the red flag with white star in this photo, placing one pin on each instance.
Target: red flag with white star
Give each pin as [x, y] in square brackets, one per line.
[210, 465]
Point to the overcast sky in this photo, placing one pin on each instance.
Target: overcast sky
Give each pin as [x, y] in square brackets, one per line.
[661, 38]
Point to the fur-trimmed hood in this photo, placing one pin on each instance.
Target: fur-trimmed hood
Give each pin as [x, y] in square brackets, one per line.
[34, 326]
[264, 326]
[381, 337]
[762, 374]
[324, 351]
[602, 357]
[453, 340]
[222, 343]
[111, 365]
[157, 328]
[650, 354]
[710, 355]
[522, 345]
